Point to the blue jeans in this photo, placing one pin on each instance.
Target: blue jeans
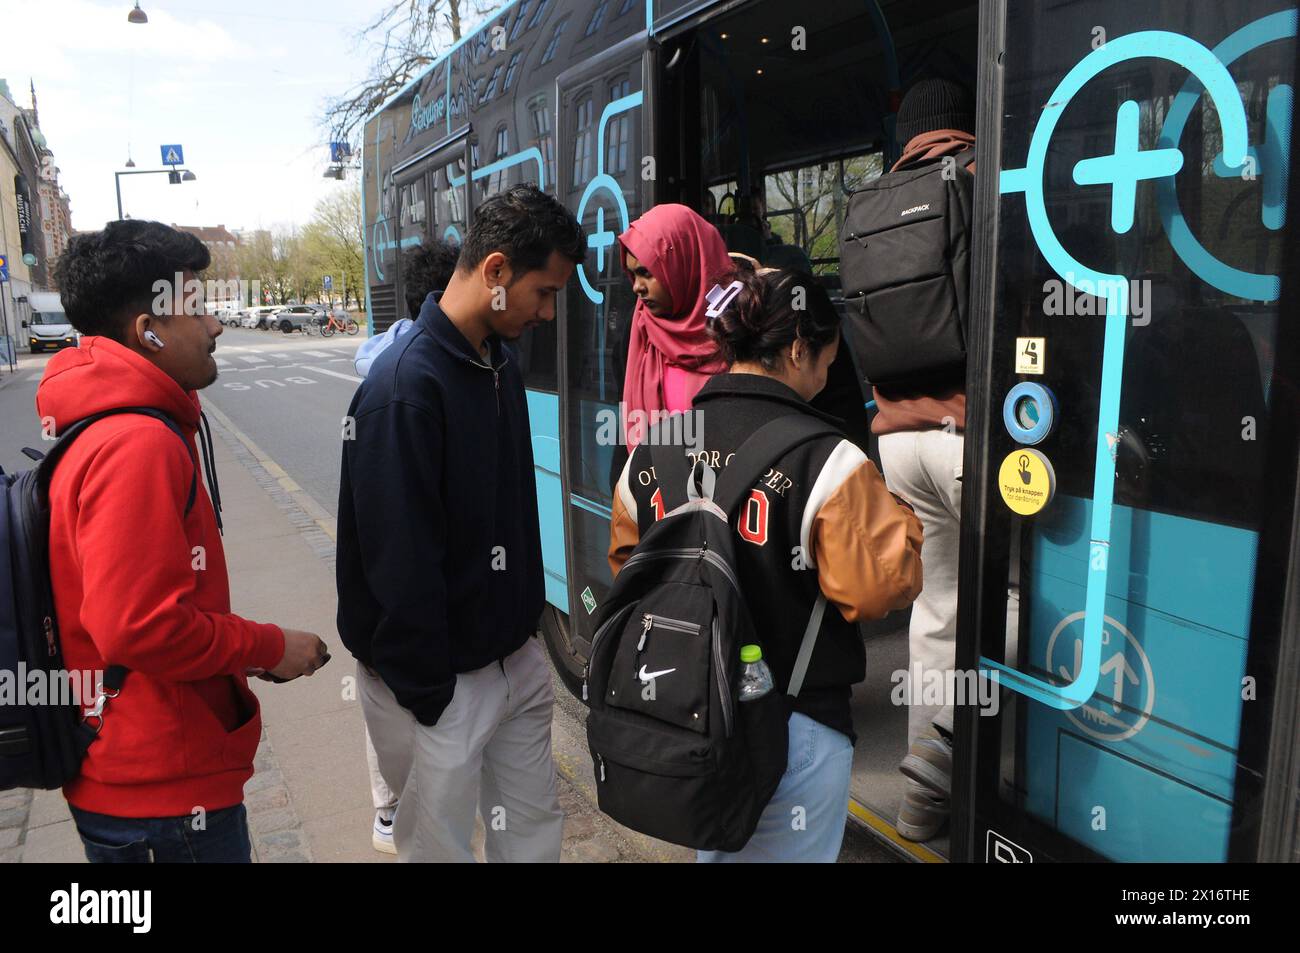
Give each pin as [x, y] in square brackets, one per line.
[165, 840]
[804, 821]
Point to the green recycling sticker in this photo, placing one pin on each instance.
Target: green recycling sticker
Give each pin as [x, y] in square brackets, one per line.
[589, 600]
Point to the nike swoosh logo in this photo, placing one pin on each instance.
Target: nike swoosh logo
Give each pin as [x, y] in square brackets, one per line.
[647, 676]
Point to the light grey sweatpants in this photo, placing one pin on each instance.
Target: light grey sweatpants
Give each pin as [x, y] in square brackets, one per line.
[924, 467]
[490, 753]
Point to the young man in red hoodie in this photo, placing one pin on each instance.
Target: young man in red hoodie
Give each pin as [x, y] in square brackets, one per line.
[137, 563]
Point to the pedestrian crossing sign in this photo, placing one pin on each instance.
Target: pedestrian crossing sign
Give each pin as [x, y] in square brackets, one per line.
[173, 154]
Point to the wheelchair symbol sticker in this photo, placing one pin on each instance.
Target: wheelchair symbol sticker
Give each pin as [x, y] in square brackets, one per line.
[1126, 690]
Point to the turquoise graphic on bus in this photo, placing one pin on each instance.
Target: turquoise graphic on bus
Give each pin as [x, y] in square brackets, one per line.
[1121, 169]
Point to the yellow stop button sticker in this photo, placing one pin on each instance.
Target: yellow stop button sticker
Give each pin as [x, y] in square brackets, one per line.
[1026, 481]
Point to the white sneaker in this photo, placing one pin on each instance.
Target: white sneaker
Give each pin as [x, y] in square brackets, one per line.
[382, 837]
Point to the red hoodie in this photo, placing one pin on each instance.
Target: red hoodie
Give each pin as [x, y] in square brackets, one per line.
[127, 591]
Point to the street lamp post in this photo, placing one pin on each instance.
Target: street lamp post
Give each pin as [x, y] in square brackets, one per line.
[173, 174]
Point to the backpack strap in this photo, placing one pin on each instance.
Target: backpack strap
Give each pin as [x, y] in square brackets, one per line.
[761, 450]
[802, 660]
[756, 455]
[673, 470]
[51, 459]
[114, 675]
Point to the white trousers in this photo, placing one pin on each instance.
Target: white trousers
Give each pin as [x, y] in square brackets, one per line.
[924, 467]
[489, 754]
[381, 794]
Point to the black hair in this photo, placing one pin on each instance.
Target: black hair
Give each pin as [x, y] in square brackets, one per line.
[526, 225]
[769, 313]
[105, 278]
[427, 268]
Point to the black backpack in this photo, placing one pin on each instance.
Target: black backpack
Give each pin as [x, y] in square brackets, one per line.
[905, 271]
[42, 745]
[677, 755]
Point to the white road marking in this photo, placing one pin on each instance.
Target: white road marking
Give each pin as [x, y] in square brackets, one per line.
[317, 353]
[254, 359]
[326, 370]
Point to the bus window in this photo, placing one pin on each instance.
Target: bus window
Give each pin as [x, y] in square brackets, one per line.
[450, 180]
[805, 211]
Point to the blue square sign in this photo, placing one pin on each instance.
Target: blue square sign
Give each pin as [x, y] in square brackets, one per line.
[4, 268]
[173, 155]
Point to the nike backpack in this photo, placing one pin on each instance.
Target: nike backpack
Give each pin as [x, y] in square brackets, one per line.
[905, 271]
[677, 756]
[43, 738]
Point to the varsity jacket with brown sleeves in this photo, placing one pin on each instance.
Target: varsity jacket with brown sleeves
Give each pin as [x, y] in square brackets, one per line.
[821, 519]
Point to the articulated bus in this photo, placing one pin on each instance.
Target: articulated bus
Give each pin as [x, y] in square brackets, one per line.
[1135, 329]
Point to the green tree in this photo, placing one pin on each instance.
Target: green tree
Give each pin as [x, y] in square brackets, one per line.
[334, 243]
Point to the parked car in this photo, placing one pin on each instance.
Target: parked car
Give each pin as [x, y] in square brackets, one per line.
[260, 317]
[294, 316]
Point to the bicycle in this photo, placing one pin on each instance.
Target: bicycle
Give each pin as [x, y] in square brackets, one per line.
[347, 326]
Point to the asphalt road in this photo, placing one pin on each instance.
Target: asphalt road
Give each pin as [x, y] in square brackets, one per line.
[289, 393]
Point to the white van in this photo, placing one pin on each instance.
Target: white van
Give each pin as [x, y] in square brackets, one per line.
[48, 328]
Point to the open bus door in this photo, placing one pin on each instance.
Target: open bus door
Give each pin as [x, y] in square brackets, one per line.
[1129, 556]
[601, 149]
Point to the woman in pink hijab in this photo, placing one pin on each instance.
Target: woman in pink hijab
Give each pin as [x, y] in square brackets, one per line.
[673, 257]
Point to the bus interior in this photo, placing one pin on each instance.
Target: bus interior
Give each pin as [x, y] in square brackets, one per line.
[785, 136]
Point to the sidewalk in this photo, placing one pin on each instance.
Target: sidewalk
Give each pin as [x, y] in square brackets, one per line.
[310, 796]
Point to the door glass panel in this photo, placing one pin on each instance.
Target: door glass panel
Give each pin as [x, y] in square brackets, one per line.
[449, 181]
[599, 304]
[1148, 179]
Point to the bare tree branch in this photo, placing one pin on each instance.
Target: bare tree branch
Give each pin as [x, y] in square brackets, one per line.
[401, 41]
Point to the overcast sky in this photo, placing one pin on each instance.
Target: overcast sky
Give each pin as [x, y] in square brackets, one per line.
[238, 83]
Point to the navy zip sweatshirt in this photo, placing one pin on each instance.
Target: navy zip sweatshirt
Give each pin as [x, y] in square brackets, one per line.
[439, 565]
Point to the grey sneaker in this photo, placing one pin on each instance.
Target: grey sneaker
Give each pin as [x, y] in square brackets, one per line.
[929, 763]
[921, 816]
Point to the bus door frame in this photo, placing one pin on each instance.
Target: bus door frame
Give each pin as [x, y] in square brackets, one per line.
[569, 79]
[1269, 746]
[1269, 749]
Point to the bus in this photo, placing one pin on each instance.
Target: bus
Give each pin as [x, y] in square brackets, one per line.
[1132, 330]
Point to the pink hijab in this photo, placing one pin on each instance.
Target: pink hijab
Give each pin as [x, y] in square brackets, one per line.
[686, 254]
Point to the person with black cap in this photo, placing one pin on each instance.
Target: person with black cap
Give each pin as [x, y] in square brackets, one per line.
[919, 428]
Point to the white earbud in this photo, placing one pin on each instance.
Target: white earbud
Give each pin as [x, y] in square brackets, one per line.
[153, 339]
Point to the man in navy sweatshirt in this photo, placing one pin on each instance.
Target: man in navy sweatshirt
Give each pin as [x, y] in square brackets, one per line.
[439, 555]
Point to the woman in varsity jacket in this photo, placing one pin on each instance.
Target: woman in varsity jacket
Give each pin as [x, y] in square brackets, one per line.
[820, 521]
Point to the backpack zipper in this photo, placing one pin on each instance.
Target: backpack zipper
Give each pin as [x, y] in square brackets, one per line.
[724, 691]
[650, 620]
[595, 641]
